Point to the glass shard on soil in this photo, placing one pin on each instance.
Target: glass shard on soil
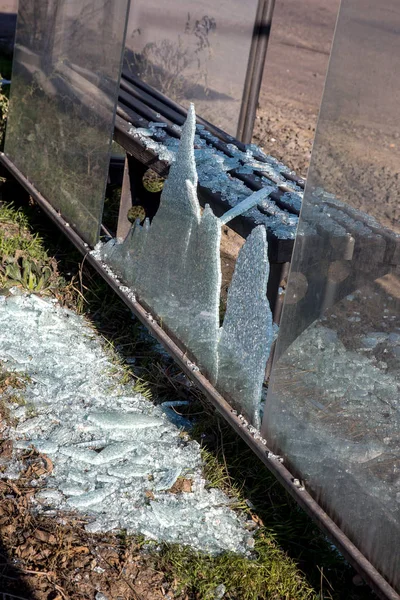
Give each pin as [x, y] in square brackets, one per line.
[115, 454]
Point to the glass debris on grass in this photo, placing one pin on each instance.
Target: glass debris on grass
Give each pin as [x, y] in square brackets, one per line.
[116, 455]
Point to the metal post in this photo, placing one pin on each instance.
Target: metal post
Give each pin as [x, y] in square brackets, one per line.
[255, 69]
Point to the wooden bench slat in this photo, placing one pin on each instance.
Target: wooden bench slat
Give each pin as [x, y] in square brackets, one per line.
[139, 107]
[181, 110]
[165, 111]
[127, 114]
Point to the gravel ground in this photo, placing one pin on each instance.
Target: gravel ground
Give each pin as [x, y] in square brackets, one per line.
[287, 133]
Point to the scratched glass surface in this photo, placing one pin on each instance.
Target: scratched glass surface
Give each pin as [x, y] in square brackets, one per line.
[64, 87]
[333, 405]
[194, 51]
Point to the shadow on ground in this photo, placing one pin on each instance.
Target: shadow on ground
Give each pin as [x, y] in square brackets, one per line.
[12, 580]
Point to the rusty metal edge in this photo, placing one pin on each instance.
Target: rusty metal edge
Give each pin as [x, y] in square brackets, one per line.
[376, 581]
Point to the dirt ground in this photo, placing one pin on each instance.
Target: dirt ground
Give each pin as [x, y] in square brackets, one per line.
[56, 559]
[294, 76]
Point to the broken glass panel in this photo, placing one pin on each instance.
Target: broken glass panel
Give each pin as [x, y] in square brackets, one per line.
[173, 265]
[64, 89]
[246, 334]
[213, 168]
[333, 404]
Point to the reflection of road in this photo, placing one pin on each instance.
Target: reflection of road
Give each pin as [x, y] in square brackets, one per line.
[294, 76]
[357, 145]
[298, 51]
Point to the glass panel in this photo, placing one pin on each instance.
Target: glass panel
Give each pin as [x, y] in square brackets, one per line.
[174, 266]
[64, 86]
[194, 51]
[293, 82]
[333, 403]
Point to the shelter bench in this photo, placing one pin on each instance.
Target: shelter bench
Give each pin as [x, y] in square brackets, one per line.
[147, 124]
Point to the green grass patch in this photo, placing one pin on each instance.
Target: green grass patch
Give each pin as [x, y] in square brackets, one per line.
[271, 574]
[23, 260]
[16, 236]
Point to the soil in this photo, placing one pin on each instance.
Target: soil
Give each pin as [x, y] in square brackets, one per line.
[294, 75]
[55, 558]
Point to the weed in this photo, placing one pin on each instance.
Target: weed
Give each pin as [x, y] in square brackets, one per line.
[166, 64]
[16, 235]
[24, 261]
[30, 275]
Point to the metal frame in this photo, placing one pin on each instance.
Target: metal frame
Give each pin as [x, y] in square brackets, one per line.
[255, 442]
[255, 69]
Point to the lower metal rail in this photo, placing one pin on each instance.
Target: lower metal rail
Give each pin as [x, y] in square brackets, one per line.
[371, 576]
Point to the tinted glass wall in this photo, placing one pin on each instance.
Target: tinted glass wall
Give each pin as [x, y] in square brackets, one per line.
[64, 86]
[333, 406]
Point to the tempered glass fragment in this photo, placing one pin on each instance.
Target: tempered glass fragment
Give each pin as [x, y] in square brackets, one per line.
[173, 265]
[246, 334]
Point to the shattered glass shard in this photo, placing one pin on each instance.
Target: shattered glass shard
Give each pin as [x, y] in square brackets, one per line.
[130, 471]
[100, 468]
[86, 500]
[164, 480]
[123, 420]
[173, 265]
[247, 331]
[202, 310]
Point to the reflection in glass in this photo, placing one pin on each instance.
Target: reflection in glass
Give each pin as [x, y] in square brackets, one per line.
[194, 51]
[64, 87]
[294, 74]
[333, 405]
